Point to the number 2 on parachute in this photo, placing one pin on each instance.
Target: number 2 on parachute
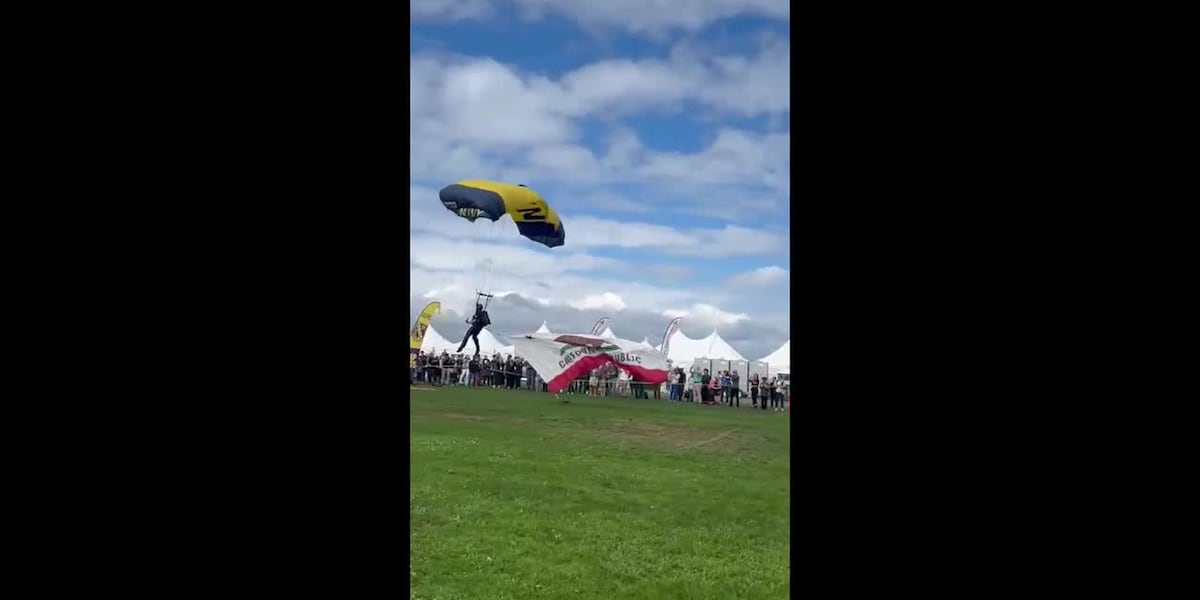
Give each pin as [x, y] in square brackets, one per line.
[532, 214]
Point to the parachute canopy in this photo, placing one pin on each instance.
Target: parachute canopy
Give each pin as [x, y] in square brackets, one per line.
[476, 198]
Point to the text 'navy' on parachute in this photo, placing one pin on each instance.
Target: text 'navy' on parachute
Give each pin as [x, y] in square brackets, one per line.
[476, 198]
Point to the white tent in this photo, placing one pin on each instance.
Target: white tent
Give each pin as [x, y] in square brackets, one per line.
[684, 349]
[645, 343]
[488, 345]
[781, 359]
[608, 333]
[543, 328]
[716, 347]
[434, 342]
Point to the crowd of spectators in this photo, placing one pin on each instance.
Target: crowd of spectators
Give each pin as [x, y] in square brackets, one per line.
[512, 372]
[609, 380]
[496, 371]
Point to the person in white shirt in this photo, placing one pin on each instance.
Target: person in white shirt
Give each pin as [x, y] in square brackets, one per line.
[622, 383]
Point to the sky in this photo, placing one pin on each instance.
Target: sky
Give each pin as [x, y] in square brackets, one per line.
[659, 130]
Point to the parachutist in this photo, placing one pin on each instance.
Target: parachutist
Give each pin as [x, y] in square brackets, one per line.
[477, 322]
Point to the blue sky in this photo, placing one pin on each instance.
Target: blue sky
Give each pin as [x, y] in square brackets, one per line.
[658, 129]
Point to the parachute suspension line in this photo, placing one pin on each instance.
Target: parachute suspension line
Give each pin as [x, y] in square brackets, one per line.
[482, 272]
[485, 284]
[484, 294]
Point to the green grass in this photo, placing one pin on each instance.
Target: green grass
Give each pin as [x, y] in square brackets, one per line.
[516, 495]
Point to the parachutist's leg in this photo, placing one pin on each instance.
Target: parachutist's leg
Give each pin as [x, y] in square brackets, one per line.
[474, 338]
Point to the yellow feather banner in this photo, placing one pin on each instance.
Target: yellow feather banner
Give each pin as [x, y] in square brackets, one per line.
[417, 335]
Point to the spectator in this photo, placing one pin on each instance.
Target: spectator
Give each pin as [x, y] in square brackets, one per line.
[754, 391]
[726, 393]
[622, 383]
[510, 371]
[771, 385]
[594, 383]
[706, 381]
[697, 383]
[473, 369]
[714, 388]
[431, 367]
[736, 381]
[639, 388]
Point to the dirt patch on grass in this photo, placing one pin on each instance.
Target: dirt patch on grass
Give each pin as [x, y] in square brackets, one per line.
[425, 413]
[455, 416]
[669, 437]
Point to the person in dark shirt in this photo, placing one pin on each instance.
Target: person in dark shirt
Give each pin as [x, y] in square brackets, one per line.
[477, 322]
[473, 371]
[419, 366]
[736, 388]
[430, 368]
[705, 393]
[510, 373]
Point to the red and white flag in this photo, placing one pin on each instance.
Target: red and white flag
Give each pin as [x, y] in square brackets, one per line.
[560, 358]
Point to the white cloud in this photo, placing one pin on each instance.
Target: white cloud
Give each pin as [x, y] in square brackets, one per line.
[706, 314]
[730, 240]
[449, 10]
[441, 254]
[453, 270]
[588, 232]
[481, 100]
[729, 159]
[758, 84]
[611, 202]
[607, 300]
[475, 117]
[651, 17]
[760, 277]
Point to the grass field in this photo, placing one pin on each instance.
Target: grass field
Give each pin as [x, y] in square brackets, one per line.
[517, 495]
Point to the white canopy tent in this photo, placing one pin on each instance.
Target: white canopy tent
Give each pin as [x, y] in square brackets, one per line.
[434, 342]
[684, 350]
[717, 347]
[780, 361]
[488, 345]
